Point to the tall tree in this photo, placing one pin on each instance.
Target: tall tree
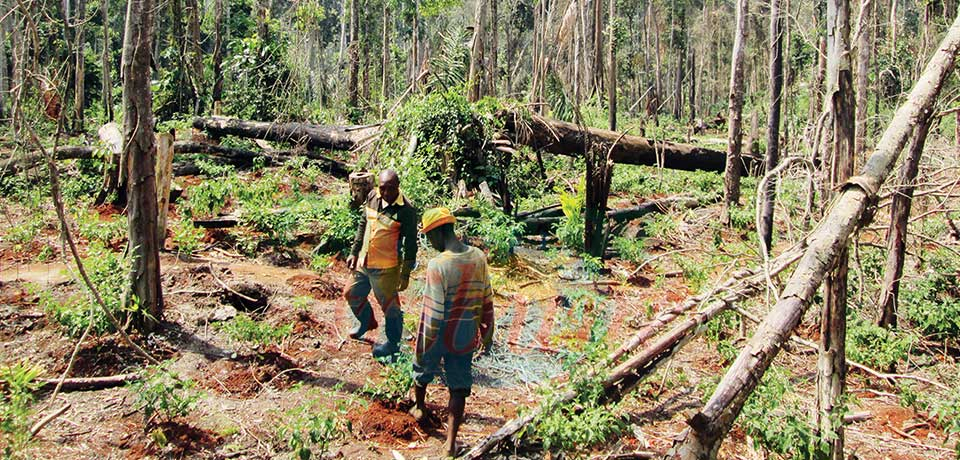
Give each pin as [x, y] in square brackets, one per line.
[773, 123]
[106, 81]
[140, 153]
[493, 71]
[831, 366]
[897, 232]
[79, 18]
[597, 71]
[864, 48]
[731, 177]
[475, 74]
[353, 49]
[218, 24]
[385, 58]
[194, 55]
[612, 67]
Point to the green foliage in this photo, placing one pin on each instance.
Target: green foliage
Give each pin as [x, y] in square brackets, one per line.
[17, 383]
[631, 249]
[742, 217]
[186, 237]
[256, 78]
[570, 229]
[333, 219]
[945, 409]
[108, 272]
[320, 263]
[448, 136]
[932, 301]
[662, 226]
[452, 63]
[875, 346]
[307, 433]
[582, 423]
[276, 225]
[498, 232]
[164, 393]
[208, 198]
[244, 329]
[693, 272]
[93, 228]
[774, 418]
[396, 379]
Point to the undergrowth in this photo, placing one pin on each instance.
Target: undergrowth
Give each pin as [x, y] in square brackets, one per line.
[17, 385]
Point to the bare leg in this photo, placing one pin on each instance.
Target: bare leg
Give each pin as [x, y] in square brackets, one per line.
[419, 410]
[456, 406]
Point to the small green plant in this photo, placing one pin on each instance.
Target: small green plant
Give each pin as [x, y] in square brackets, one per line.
[693, 272]
[302, 303]
[244, 329]
[209, 197]
[877, 347]
[17, 383]
[186, 237]
[333, 219]
[778, 422]
[320, 263]
[631, 249]
[396, 379]
[107, 271]
[570, 229]
[498, 232]
[307, 433]
[932, 301]
[277, 225]
[164, 393]
[93, 228]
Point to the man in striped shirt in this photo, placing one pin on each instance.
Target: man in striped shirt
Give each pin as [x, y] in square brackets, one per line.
[456, 319]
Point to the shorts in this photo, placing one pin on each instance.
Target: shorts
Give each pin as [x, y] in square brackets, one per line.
[457, 369]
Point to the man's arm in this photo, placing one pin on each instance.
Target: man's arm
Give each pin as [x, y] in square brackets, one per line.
[361, 229]
[431, 310]
[487, 316]
[408, 232]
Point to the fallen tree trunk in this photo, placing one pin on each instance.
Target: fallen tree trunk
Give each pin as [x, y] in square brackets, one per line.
[627, 375]
[563, 138]
[89, 383]
[311, 136]
[554, 136]
[225, 155]
[849, 211]
[619, 215]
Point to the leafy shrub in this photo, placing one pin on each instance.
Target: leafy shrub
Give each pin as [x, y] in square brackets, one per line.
[334, 219]
[498, 232]
[307, 433]
[396, 379]
[932, 301]
[186, 237]
[244, 329]
[877, 347]
[91, 227]
[107, 271]
[208, 198]
[777, 422]
[570, 229]
[17, 382]
[631, 249]
[276, 225]
[165, 393]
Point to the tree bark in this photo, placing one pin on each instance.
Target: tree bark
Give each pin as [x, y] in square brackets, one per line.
[493, 72]
[385, 60]
[195, 55]
[476, 55]
[848, 212]
[864, 48]
[140, 148]
[78, 66]
[106, 86]
[731, 177]
[311, 136]
[353, 49]
[164, 172]
[897, 232]
[612, 68]
[597, 71]
[773, 123]
[218, 33]
[599, 172]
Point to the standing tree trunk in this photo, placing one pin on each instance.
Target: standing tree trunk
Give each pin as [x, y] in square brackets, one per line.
[493, 73]
[893, 27]
[177, 36]
[217, 54]
[106, 86]
[415, 46]
[476, 55]
[692, 103]
[679, 35]
[385, 60]
[864, 47]
[195, 55]
[658, 94]
[144, 281]
[612, 67]
[78, 81]
[599, 167]
[831, 366]
[597, 78]
[731, 177]
[773, 123]
[816, 89]
[354, 50]
[897, 233]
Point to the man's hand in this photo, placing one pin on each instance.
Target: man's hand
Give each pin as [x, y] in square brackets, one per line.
[351, 261]
[404, 282]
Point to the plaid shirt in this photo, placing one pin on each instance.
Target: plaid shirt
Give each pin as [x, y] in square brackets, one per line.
[457, 305]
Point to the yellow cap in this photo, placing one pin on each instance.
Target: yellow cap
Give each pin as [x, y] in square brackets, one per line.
[433, 218]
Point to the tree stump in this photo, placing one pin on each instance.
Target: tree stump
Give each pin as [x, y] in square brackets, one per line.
[361, 183]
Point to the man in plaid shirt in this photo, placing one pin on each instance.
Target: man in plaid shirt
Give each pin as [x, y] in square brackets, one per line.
[457, 319]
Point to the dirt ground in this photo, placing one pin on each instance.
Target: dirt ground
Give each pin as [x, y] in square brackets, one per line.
[248, 392]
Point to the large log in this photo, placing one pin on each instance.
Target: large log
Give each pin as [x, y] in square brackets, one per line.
[308, 135]
[89, 383]
[850, 210]
[554, 136]
[19, 163]
[563, 138]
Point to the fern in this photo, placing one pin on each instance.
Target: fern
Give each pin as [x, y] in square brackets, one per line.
[449, 66]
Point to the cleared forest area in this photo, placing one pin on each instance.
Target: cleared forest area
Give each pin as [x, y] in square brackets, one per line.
[713, 228]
